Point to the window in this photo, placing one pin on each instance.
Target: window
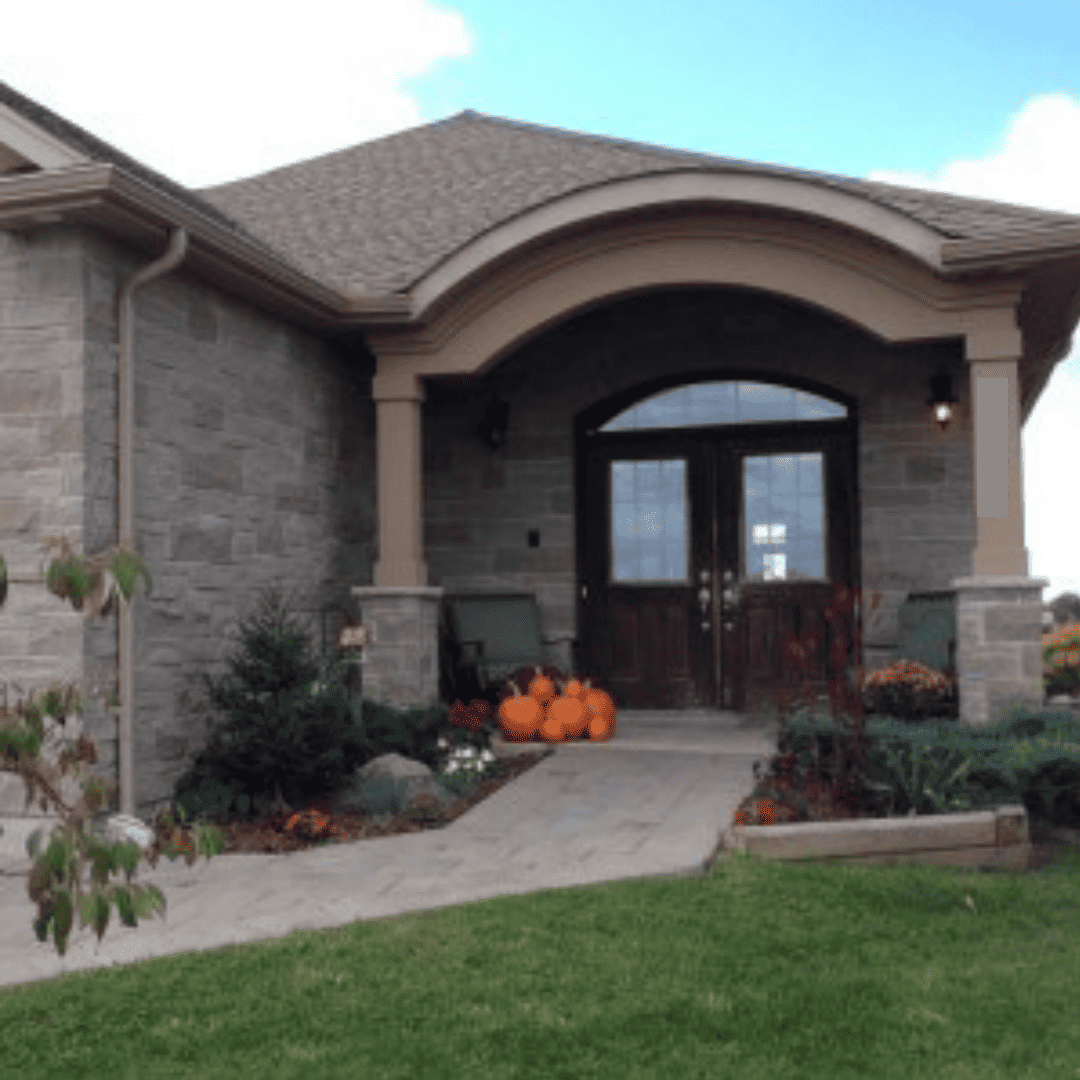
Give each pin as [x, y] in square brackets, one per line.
[707, 403]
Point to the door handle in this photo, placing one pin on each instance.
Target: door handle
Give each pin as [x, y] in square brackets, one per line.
[704, 598]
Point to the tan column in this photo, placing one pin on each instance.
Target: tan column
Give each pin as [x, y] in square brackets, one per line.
[999, 492]
[399, 467]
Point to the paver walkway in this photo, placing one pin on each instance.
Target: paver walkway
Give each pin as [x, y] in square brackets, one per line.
[652, 801]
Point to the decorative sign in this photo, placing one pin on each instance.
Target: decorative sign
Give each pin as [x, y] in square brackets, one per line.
[353, 637]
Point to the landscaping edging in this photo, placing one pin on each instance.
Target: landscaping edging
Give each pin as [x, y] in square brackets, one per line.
[984, 838]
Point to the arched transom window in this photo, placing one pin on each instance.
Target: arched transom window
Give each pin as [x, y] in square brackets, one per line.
[705, 403]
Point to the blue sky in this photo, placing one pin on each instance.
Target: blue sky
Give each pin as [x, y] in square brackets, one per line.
[976, 98]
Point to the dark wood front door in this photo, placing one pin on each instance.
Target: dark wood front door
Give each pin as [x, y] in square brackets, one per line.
[704, 552]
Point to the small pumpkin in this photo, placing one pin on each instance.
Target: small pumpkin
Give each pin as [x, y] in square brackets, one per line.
[541, 687]
[575, 689]
[600, 729]
[599, 703]
[571, 715]
[520, 716]
[552, 730]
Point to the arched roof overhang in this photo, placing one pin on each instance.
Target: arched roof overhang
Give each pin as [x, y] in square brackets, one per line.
[845, 256]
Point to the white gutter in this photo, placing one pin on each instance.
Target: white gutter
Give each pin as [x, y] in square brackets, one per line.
[178, 243]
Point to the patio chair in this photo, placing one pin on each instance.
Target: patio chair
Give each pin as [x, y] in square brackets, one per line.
[928, 630]
[492, 634]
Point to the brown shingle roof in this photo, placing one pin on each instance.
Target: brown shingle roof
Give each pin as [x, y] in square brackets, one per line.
[380, 214]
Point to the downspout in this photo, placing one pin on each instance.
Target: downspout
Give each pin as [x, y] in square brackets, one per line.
[126, 495]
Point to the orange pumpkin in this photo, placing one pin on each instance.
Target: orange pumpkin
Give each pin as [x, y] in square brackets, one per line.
[571, 714]
[599, 702]
[520, 716]
[552, 730]
[541, 687]
[600, 729]
[575, 689]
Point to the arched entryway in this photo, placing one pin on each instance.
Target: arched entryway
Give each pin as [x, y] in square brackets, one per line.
[716, 514]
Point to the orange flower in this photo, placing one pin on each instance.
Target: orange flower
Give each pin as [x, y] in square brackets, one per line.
[766, 811]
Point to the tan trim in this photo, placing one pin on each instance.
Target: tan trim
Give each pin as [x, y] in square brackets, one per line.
[886, 293]
[118, 202]
[33, 143]
[399, 479]
[114, 199]
[643, 193]
[999, 495]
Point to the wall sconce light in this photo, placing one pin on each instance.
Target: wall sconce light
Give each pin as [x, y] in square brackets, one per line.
[942, 402]
[492, 429]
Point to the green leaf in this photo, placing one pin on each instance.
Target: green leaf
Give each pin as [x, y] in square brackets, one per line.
[95, 910]
[41, 926]
[64, 917]
[125, 907]
[127, 568]
[127, 856]
[147, 900]
[208, 840]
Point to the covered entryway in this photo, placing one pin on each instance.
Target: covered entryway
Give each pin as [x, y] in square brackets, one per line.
[715, 519]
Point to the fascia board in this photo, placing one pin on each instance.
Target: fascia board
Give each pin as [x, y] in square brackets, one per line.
[33, 143]
[44, 197]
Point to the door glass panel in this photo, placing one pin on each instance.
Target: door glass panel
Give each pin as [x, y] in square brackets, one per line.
[649, 520]
[724, 403]
[784, 517]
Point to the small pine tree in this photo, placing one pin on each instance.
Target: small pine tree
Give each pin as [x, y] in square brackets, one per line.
[288, 734]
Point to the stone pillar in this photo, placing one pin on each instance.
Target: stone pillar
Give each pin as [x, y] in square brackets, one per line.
[399, 467]
[998, 608]
[400, 664]
[998, 644]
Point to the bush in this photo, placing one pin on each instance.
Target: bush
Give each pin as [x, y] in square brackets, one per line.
[413, 734]
[1061, 660]
[910, 691]
[288, 735]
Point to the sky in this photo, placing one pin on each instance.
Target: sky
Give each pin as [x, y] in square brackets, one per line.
[978, 99]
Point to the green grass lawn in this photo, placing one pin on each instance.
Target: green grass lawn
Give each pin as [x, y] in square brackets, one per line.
[755, 969]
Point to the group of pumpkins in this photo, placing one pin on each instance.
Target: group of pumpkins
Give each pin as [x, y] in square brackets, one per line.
[576, 711]
[551, 710]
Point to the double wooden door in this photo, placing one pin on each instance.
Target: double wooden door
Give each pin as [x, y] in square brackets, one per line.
[704, 552]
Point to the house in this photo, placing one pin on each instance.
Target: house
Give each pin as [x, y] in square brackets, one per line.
[712, 390]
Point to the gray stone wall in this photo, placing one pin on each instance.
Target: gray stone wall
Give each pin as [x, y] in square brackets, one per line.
[254, 466]
[41, 404]
[915, 485]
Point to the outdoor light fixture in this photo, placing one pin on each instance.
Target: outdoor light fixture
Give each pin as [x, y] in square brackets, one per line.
[492, 429]
[941, 400]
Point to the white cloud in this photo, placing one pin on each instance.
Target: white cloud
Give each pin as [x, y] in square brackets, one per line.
[212, 90]
[1037, 164]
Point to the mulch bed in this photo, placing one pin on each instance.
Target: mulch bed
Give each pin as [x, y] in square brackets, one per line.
[268, 833]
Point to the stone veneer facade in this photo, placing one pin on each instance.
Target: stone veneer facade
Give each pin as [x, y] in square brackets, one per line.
[254, 450]
[915, 482]
[255, 465]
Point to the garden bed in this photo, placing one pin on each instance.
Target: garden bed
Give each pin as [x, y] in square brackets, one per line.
[268, 832]
[985, 838]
